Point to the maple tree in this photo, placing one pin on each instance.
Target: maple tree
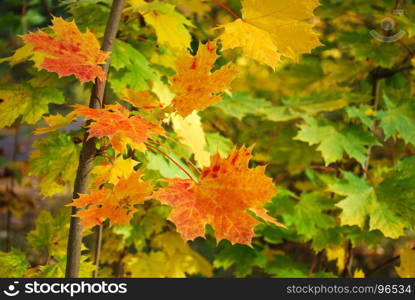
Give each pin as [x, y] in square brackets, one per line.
[218, 137]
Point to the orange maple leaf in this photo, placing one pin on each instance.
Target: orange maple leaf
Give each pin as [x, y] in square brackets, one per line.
[114, 122]
[116, 204]
[196, 87]
[141, 99]
[226, 191]
[68, 51]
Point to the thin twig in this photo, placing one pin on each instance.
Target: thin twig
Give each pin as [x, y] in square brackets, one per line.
[171, 159]
[384, 264]
[375, 104]
[188, 161]
[228, 9]
[347, 272]
[98, 244]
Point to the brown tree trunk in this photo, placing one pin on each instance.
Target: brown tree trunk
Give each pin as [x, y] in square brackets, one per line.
[88, 150]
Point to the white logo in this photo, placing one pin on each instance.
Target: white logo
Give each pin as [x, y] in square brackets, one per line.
[388, 24]
[12, 291]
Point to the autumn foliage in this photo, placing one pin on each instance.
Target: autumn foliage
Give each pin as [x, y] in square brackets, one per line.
[222, 197]
[221, 138]
[68, 51]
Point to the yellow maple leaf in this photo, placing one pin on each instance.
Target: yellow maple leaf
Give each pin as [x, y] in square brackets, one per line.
[338, 254]
[141, 99]
[169, 25]
[192, 134]
[175, 260]
[189, 129]
[195, 86]
[25, 53]
[407, 266]
[358, 273]
[55, 122]
[270, 29]
[112, 172]
[191, 7]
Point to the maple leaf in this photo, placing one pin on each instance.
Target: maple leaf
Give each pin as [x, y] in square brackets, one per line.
[241, 258]
[192, 7]
[141, 99]
[361, 202]
[169, 25]
[114, 122]
[69, 51]
[398, 119]
[406, 269]
[116, 204]
[196, 87]
[23, 54]
[332, 143]
[13, 264]
[112, 172]
[270, 29]
[225, 192]
[55, 161]
[55, 122]
[26, 101]
[175, 259]
[190, 130]
[130, 69]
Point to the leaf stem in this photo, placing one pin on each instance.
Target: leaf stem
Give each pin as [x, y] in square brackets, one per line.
[171, 159]
[228, 9]
[187, 160]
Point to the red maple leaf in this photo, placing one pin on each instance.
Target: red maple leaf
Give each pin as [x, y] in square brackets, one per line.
[68, 51]
[114, 122]
[226, 191]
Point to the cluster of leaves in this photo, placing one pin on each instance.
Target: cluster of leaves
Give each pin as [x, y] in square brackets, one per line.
[329, 108]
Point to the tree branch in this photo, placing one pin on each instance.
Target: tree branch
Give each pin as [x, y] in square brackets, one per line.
[88, 150]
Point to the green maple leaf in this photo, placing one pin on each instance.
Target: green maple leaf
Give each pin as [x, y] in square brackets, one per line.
[55, 161]
[25, 101]
[397, 190]
[13, 264]
[285, 267]
[361, 204]
[359, 113]
[398, 118]
[132, 69]
[241, 104]
[362, 47]
[165, 167]
[240, 257]
[216, 143]
[50, 233]
[57, 270]
[309, 215]
[333, 144]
